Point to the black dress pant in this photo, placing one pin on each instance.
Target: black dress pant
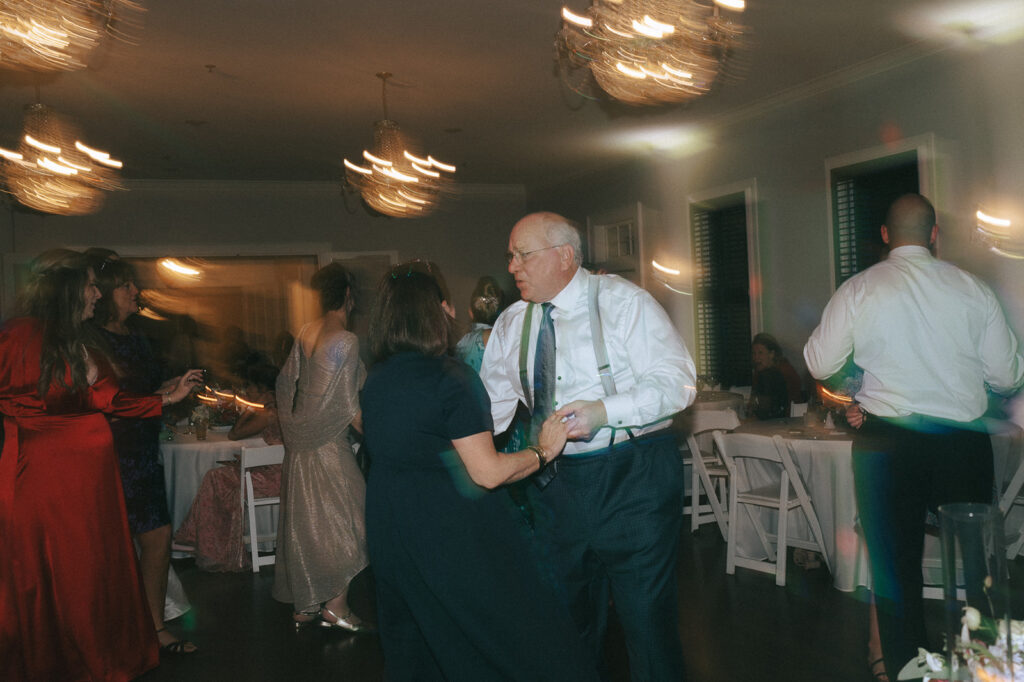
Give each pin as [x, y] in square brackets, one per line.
[902, 469]
[610, 524]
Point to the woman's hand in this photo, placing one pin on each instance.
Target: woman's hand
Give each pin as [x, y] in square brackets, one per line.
[185, 384]
[553, 434]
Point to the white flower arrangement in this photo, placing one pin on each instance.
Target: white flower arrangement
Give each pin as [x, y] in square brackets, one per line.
[986, 662]
[201, 411]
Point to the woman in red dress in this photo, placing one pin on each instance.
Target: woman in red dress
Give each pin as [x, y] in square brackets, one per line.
[72, 605]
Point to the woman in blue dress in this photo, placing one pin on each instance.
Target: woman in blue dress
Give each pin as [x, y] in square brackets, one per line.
[459, 593]
[485, 304]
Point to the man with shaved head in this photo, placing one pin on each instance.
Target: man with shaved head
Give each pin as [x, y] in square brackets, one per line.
[932, 340]
[600, 352]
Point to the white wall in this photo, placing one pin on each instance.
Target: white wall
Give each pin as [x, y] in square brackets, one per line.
[467, 236]
[972, 102]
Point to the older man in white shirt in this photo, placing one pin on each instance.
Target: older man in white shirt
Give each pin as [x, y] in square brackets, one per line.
[931, 339]
[611, 516]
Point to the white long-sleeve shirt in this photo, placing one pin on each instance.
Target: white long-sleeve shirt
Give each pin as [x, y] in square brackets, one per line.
[928, 336]
[654, 373]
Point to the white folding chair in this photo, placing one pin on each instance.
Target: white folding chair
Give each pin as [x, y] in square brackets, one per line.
[709, 475]
[1010, 498]
[783, 495]
[250, 458]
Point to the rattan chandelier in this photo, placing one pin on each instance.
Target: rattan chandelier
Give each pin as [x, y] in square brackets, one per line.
[648, 52]
[58, 35]
[53, 171]
[397, 182]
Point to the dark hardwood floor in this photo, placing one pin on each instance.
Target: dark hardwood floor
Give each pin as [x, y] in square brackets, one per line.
[734, 628]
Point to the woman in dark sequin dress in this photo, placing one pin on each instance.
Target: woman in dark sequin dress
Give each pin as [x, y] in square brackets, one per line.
[137, 441]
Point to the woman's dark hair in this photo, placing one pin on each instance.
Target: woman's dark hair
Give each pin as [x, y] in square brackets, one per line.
[55, 296]
[333, 283]
[485, 302]
[259, 370]
[769, 342]
[111, 273]
[408, 315]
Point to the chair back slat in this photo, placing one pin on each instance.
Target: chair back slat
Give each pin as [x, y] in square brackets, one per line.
[250, 459]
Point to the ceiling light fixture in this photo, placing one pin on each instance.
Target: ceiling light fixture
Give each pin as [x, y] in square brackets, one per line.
[394, 180]
[648, 52]
[53, 171]
[58, 35]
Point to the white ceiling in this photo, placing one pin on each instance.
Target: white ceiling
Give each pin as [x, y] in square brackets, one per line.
[292, 89]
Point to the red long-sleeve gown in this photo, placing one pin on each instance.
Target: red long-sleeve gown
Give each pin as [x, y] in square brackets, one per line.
[72, 606]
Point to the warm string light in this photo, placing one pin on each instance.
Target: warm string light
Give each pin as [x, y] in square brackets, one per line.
[396, 182]
[648, 51]
[55, 172]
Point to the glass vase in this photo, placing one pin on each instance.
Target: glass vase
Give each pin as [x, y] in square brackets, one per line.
[976, 592]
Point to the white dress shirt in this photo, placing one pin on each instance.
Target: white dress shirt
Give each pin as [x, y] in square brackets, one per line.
[654, 373]
[928, 336]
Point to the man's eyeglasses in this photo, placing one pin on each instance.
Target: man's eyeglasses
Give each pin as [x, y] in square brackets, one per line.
[521, 256]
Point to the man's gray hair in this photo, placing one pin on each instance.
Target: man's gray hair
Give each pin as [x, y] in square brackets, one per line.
[561, 230]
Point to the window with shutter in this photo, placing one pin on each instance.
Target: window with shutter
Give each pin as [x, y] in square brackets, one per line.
[721, 292]
[861, 195]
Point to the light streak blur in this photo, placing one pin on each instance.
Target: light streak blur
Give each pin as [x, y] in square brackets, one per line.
[59, 35]
[53, 171]
[612, 47]
[174, 266]
[245, 403]
[398, 183]
[661, 268]
[837, 397]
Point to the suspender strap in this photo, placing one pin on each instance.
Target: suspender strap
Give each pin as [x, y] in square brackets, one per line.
[604, 368]
[524, 352]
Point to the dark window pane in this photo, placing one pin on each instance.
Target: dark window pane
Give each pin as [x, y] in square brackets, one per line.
[722, 293]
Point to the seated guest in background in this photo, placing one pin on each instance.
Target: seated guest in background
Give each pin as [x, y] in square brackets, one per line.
[459, 595]
[137, 440]
[260, 376]
[214, 523]
[484, 306]
[769, 393]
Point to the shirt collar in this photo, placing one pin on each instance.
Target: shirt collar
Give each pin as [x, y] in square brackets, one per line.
[566, 299]
[909, 251]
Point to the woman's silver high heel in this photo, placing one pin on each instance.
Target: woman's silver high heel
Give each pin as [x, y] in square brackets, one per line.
[308, 618]
[341, 623]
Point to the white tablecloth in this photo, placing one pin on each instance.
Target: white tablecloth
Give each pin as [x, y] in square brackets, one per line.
[825, 463]
[186, 460]
[719, 400]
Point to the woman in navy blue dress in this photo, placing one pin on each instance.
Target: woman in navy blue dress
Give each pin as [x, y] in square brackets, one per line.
[459, 592]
